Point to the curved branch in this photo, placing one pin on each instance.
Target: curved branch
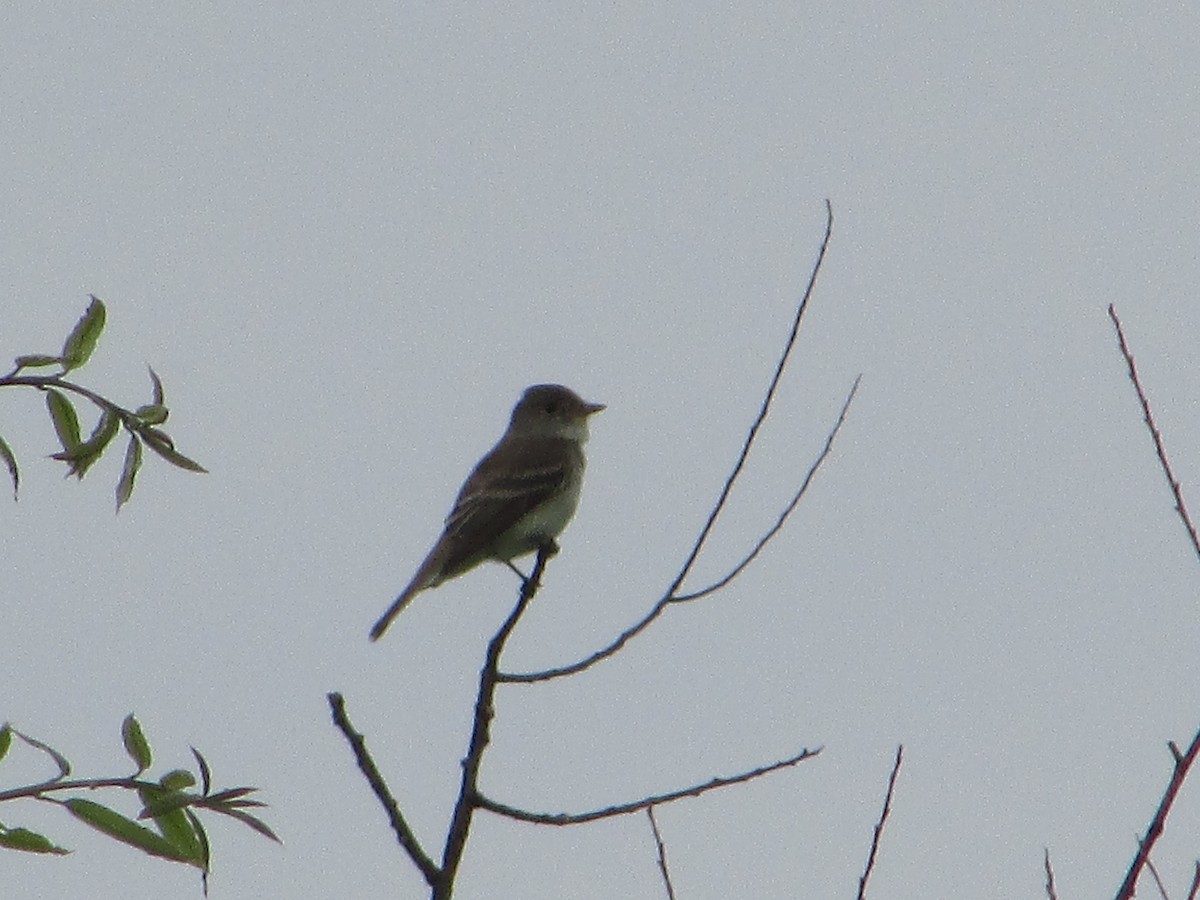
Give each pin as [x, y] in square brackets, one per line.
[672, 594]
[787, 510]
[623, 809]
[44, 382]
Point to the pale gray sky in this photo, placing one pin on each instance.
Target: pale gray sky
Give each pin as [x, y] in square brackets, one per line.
[347, 236]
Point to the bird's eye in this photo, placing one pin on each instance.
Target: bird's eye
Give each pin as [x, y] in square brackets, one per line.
[551, 407]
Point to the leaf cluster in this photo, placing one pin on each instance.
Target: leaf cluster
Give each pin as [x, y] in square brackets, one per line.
[168, 804]
[80, 453]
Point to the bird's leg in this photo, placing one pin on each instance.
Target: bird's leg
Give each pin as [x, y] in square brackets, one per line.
[547, 546]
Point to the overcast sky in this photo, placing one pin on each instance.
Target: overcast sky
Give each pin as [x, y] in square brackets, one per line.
[347, 236]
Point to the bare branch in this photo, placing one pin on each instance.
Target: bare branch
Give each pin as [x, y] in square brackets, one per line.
[662, 854]
[633, 806]
[787, 511]
[404, 833]
[1178, 774]
[1195, 888]
[1050, 892]
[673, 594]
[883, 816]
[1180, 506]
[762, 412]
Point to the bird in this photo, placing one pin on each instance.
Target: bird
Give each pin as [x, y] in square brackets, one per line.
[518, 498]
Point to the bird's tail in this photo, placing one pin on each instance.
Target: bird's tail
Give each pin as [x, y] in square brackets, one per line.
[385, 620]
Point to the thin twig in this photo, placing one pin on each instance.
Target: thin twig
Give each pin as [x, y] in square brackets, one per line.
[623, 809]
[1178, 774]
[883, 817]
[787, 510]
[1050, 892]
[1162, 888]
[662, 853]
[1195, 888]
[673, 594]
[404, 833]
[1159, 448]
[762, 412]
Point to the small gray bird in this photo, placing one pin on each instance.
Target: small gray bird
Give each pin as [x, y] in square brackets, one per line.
[520, 496]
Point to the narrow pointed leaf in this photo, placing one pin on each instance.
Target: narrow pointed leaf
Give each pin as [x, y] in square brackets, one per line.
[37, 361]
[173, 825]
[66, 422]
[231, 794]
[158, 387]
[125, 830]
[201, 837]
[136, 744]
[133, 462]
[81, 341]
[11, 462]
[161, 444]
[205, 772]
[253, 821]
[64, 767]
[5, 739]
[29, 841]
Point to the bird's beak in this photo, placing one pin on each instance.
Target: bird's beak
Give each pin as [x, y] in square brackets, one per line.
[592, 408]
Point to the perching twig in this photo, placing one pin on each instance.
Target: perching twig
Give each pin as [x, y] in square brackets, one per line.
[469, 798]
[662, 853]
[624, 809]
[673, 595]
[883, 816]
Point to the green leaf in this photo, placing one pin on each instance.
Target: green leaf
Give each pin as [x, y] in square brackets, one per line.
[29, 841]
[66, 422]
[253, 821]
[136, 744]
[64, 767]
[158, 388]
[133, 462]
[152, 414]
[177, 780]
[173, 824]
[5, 739]
[81, 341]
[161, 444]
[37, 361]
[126, 831]
[201, 837]
[81, 458]
[205, 772]
[11, 462]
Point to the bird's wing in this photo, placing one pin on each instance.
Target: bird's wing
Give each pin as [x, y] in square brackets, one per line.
[512, 480]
